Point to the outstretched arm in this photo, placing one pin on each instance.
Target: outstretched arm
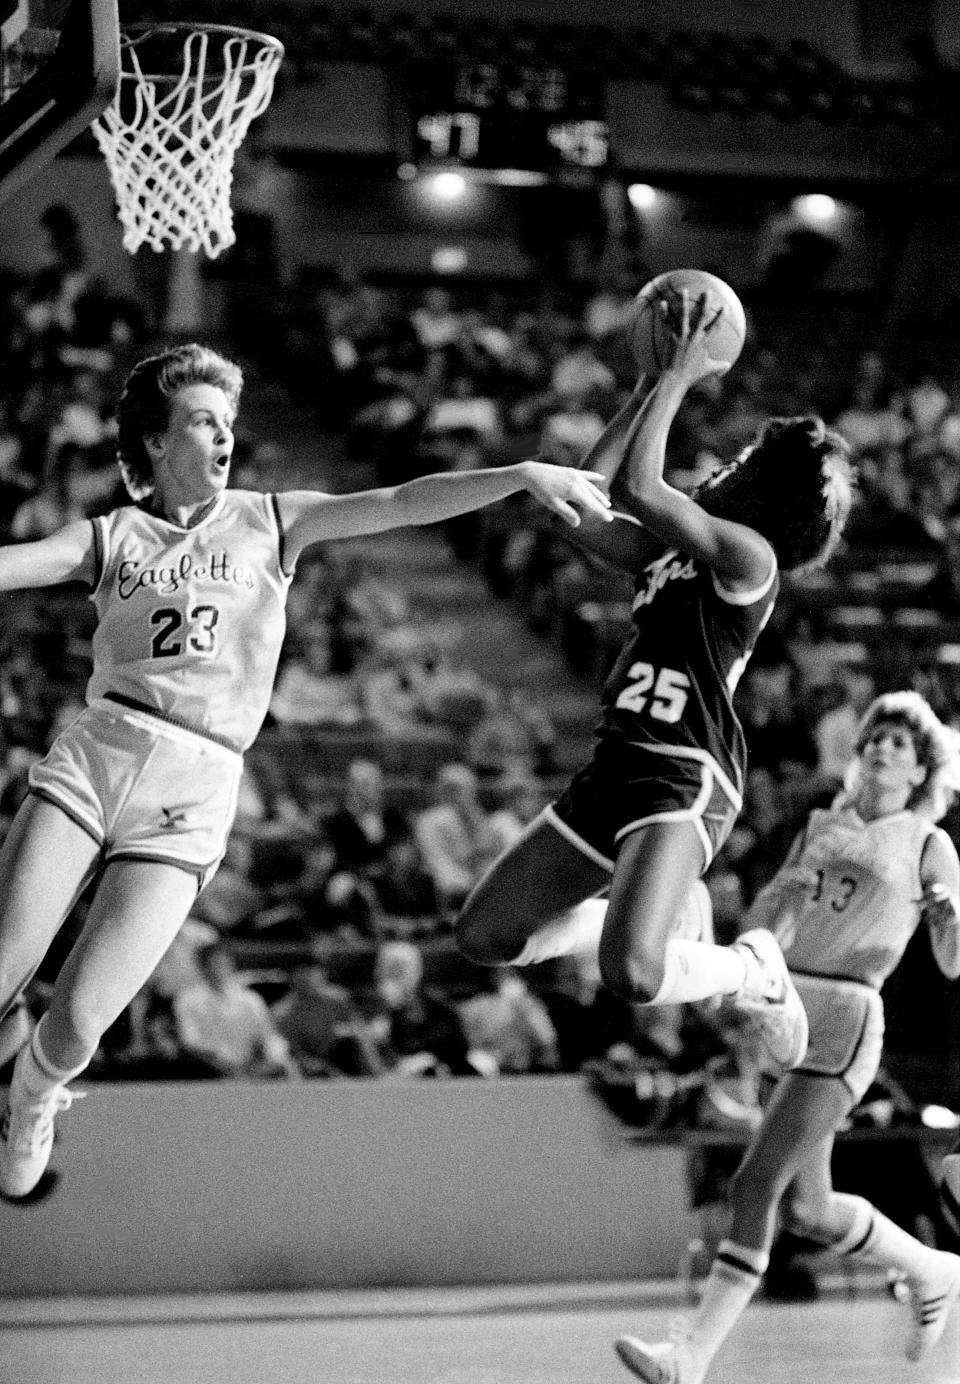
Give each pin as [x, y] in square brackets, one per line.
[940, 877]
[310, 517]
[65, 556]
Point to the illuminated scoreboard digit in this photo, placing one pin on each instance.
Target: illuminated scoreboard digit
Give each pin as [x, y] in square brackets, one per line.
[490, 116]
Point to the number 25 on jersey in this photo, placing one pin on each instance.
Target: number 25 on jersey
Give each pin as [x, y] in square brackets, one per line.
[664, 692]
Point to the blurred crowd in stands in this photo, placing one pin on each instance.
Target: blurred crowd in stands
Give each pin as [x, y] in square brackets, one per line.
[391, 771]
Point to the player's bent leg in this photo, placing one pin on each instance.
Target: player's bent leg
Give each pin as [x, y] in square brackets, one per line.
[532, 886]
[656, 868]
[781, 1144]
[46, 860]
[848, 1224]
[136, 912]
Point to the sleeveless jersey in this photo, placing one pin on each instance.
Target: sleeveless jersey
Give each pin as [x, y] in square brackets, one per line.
[672, 685]
[191, 620]
[864, 905]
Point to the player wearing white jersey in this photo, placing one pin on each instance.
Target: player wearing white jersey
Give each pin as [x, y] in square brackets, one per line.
[853, 889]
[189, 584]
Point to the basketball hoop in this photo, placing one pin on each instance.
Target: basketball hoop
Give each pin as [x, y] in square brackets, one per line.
[187, 96]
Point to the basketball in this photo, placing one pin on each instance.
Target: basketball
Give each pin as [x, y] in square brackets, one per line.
[652, 335]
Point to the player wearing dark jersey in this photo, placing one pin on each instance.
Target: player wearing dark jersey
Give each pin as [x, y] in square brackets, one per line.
[662, 790]
[190, 586]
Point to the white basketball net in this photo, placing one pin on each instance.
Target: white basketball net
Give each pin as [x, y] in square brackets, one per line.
[170, 150]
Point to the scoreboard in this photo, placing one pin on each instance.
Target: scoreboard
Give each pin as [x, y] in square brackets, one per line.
[485, 115]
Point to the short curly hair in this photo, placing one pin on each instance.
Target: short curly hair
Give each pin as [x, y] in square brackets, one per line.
[144, 405]
[937, 747]
[794, 484]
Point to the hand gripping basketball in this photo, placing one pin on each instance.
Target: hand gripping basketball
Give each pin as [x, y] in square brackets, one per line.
[676, 313]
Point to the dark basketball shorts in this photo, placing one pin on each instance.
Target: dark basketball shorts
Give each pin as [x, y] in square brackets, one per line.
[627, 786]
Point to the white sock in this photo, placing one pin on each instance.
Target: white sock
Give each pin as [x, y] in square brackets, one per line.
[696, 970]
[733, 1279]
[34, 1070]
[880, 1241]
[577, 930]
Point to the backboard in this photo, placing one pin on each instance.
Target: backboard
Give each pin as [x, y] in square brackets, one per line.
[59, 69]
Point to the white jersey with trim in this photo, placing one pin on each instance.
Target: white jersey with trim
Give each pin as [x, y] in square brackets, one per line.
[191, 621]
[864, 899]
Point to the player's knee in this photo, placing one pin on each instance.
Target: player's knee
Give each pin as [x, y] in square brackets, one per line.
[635, 976]
[477, 939]
[803, 1216]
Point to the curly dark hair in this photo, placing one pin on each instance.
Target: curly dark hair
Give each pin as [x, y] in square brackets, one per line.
[144, 405]
[793, 484]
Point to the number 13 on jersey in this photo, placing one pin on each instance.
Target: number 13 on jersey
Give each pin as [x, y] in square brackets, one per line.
[665, 690]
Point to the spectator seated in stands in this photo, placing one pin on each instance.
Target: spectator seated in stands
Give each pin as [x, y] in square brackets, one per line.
[459, 838]
[580, 374]
[509, 1028]
[227, 1025]
[231, 899]
[324, 1027]
[363, 824]
[773, 724]
[942, 591]
[462, 410]
[874, 418]
[418, 1032]
[65, 496]
[17, 483]
[362, 606]
[310, 693]
[412, 687]
[435, 321]
[346, 907]
[405, 889]
[569, 430]
[514, 734]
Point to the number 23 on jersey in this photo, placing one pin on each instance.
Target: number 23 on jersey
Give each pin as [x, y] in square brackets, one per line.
[172, 629]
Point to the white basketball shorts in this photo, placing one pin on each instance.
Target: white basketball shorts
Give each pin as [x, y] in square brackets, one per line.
[143, 789]
[846, 1029]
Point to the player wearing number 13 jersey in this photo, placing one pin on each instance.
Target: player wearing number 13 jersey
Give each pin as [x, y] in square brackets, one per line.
[140, 791]
[856, 884]
[663, 785]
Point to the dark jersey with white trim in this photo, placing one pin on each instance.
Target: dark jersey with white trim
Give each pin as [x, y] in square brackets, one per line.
[672, 685]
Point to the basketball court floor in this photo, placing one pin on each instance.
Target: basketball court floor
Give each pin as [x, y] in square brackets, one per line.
[542, 1335]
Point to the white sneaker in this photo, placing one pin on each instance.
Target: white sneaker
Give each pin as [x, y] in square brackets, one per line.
[931, 1298]
[769, 999]
[26, 1135]
[665, 1362]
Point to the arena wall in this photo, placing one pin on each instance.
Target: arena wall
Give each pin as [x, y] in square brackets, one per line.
[241, 1185]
